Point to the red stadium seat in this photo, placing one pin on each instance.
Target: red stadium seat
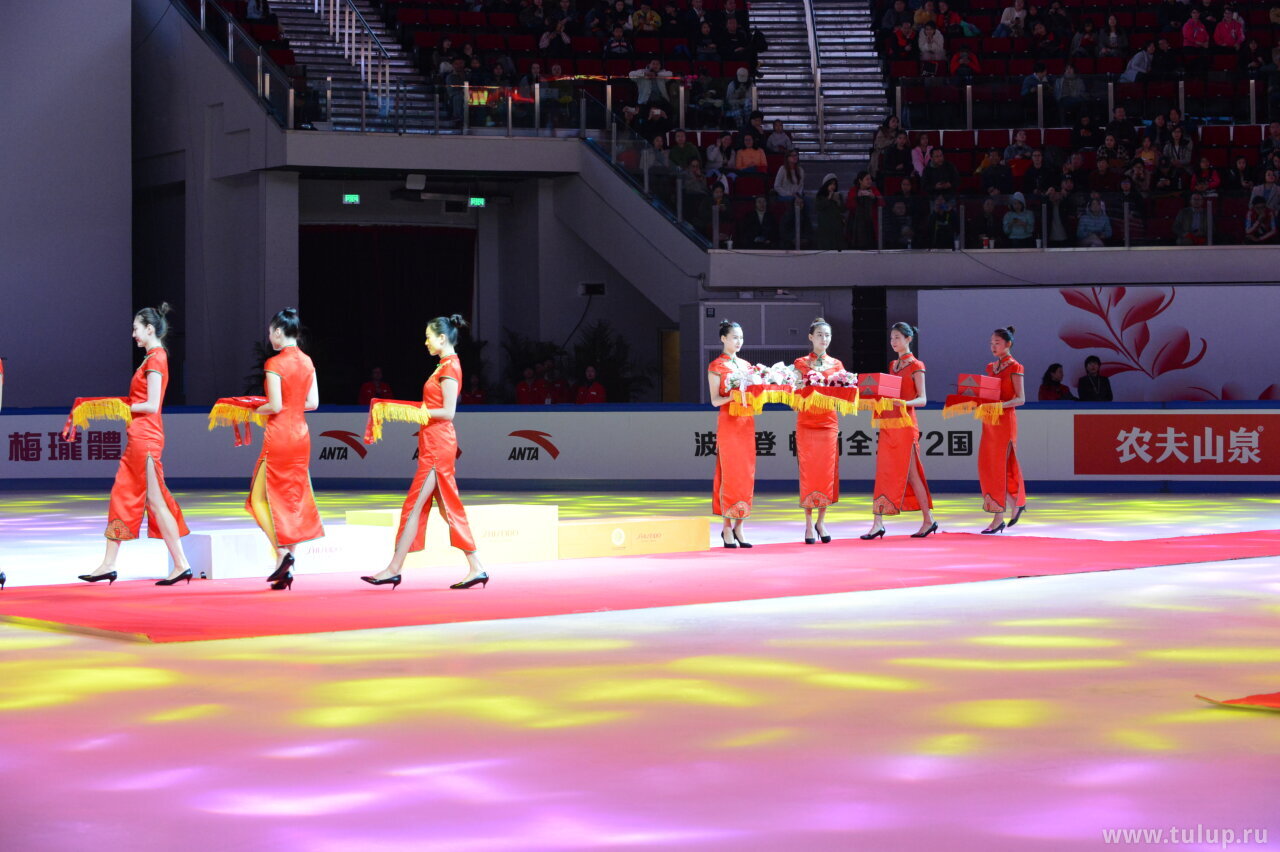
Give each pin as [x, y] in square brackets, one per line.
[957, 140]
[522, 44]
[1058, 137]
[900, 68]
[584, 45]
[503, 20]
[473, 20]
[442, 17]
[411, 17]
[489, 41]
[1216, 135]
[993, 139]
[1247, 135]
[590, 67]
[426, 38]
[648, 46]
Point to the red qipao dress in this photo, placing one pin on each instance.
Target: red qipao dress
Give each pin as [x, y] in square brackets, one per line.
[146, 441]
[999, 473]
[438, 451]
[283, 503]
[735, 479]
[899, 448]
[818, 443]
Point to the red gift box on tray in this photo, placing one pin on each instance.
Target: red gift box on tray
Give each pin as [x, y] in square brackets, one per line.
[879, 386]
[981, 388]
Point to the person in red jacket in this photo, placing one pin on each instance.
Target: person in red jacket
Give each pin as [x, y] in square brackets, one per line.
[590, 391]
[375, 388]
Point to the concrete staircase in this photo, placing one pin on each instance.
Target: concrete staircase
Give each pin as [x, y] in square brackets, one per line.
[853, 86]
[786, 91]
[314, 48]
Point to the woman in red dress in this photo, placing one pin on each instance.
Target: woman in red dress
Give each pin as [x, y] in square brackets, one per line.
[139, 487]
[818, 440]
[437, 455]
[998, 470]
[590, 391]
[280, 496]
[735, 479]
[900, 483]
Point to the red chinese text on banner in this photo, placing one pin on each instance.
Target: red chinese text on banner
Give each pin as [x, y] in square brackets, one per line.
[1174, 444]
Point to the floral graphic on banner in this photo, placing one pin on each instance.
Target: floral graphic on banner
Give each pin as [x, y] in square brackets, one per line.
[1122, 323]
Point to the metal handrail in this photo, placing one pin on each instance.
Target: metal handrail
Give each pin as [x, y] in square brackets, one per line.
[266, 68]
[360, 45]
[816, 71]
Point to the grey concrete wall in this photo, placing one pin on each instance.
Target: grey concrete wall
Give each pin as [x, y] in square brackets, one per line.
[65, 255]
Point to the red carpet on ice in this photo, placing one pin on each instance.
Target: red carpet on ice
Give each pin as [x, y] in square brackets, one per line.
[233, 609]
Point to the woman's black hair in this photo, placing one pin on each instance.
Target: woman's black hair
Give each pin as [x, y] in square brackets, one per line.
[905, 329]
[155, 317]
[448, 326]
[817, 321]
[1048, 378]
[1093, 359]
[287, 321]
[727, 326]
[1006, 333]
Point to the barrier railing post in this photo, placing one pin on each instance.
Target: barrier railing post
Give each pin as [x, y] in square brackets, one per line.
[960, 216]
[680, 195]
[608, 101]
[203, 12]
[1182, 97]
[1040, 105]
[258, 74]
[646, 179]
[613, 141]
[684, 90]
[510, 114]
[292, 124]
[795, 214]
[1253, 101]
[880, 228]
[1208, 204]
[537, 108]
[231, 43]
[466, 109]
[968, 106]
[1111, 97]
[582, 118]
[897, 101]
[715, 226]
[1044, 227]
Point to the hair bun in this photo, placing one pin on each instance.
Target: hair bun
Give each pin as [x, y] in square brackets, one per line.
[164, 309]
[818, 321]
[1009, 329]
[457, 321]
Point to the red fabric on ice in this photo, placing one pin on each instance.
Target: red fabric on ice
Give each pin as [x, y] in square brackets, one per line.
[319, 603]
[1268, 701]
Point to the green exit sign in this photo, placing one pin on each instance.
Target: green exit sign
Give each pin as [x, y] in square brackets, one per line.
[475, 202]
[351, 198]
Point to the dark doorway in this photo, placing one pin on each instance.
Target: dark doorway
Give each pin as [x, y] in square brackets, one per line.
[160, 271]
[366, 294]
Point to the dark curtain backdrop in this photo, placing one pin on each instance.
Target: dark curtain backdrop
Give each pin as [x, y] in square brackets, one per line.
[366, 294]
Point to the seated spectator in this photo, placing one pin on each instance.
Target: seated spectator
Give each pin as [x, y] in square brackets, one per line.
[1094, 227]
[1270, 142]
[697, 195]
[1114, 152]
[1130, 195]
[1209, 13]
[863, 204]
[645, 20]
[884, 139]
[590, 391]
[474, 393]
[1093, 386]
[1034, 86]
[788, 183]
[920, 154]
[718, 210]
[755, 126]
[988, 228]
[948, 20]
[942, 227]
[1038, 178]
[1158, 131]
[758, 229]
[374, 388]
[965, 64]
[1084, 134]
[735, 44]
[618, 46]
[917, 202]
[737, 98]
[1147, 152]
[1179, 151]
[555, 41]
[532, 390]
[683, 151]
[1059, 22]
[1167, 177]
[705, 46]
[651, 87]
[1228, 34]
[1019, 223]
[1191, 225]
[729, 11]
[1112, 41]
[1171, 15]
[829, 209]
[895, 17]
[1252, 58]
[779, 141]
[1044, 43]
[940, 176]
[1239, 178]
[1105, 178]
[533, 17]
[1051, 387]
[1139, 64]
[1259, 223]
[1074, 168]
[750, 158]
[1166, 61]
[1084, 44]
[1012, 20]
[655, 157]
[1122, 128]
[997, 180]
[902, 44]
[1206, 179]
[932, 49]
[896, 162]
[1268, 190]
[899, 226]
[1187, 124]
[1195, 41]
[1142, 174]
[926, 14]
[1071, 94]
[1061, 206]
[1018, 149]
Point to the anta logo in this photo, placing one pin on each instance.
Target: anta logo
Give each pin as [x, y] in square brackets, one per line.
[540, 440]
[349, 440]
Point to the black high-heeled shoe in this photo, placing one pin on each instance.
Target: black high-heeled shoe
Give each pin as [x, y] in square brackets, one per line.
[282, 568]
[729, 544]
[185, 575]
[1018, 515]
[933, 529]
[868, 536]
[482, 581]
[808, 540]
[285, 582]
[824, 538]
[374, 581]
[2, 579]
[993, 531]
[110, 577]
[741, 541]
